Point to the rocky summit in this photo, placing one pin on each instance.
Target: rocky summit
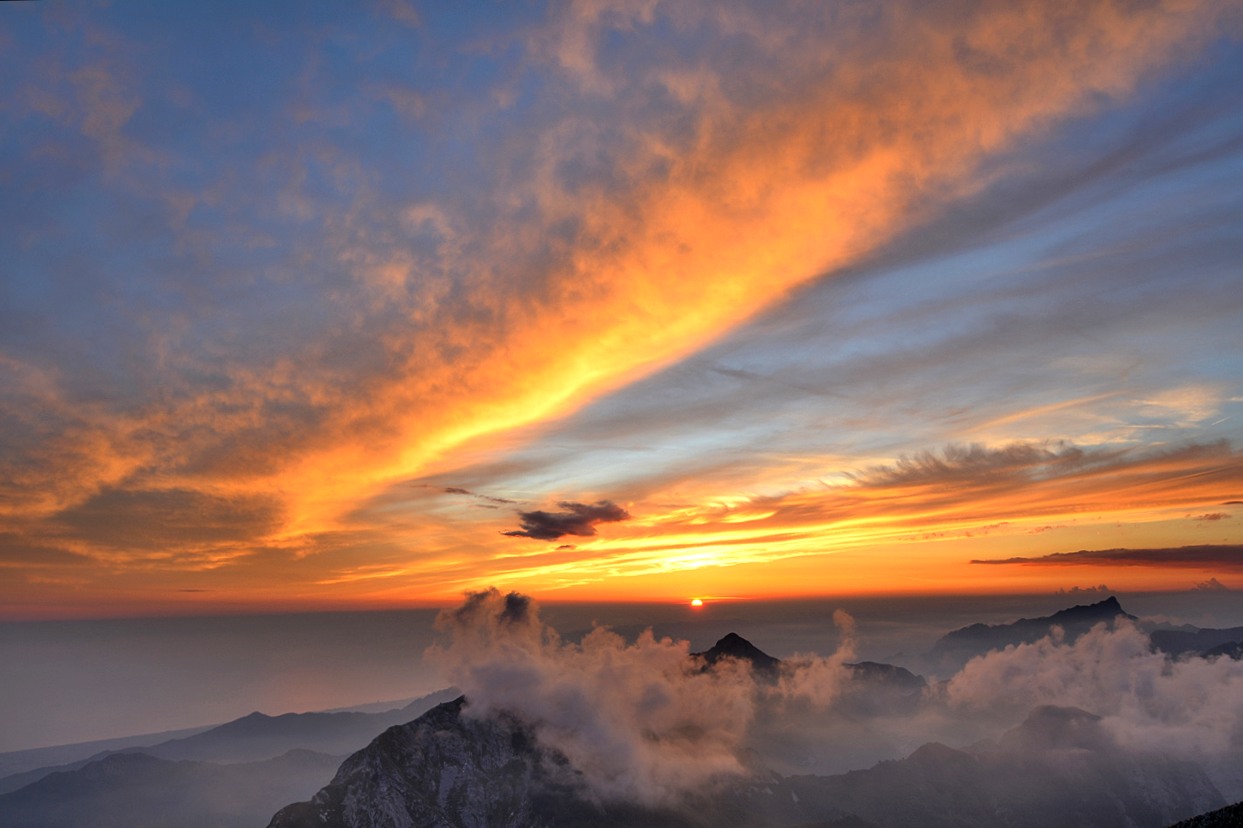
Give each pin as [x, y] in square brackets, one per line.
[447, 769]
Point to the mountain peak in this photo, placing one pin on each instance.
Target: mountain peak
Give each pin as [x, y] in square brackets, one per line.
[734, 645]
[1106, 609]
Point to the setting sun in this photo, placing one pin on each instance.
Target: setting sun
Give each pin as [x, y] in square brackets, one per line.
[697, 602]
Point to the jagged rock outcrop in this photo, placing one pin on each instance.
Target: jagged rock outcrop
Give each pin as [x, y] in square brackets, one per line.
[1231, 649]
[258, 737]
[447, 769]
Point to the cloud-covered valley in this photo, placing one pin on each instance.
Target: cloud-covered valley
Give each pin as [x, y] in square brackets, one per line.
[645, 720]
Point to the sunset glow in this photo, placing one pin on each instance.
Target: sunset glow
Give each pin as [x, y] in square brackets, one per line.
[617, 301]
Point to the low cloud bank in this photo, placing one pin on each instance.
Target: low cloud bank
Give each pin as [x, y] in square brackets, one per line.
[641, 720]
[645, 721]
[1191, 707]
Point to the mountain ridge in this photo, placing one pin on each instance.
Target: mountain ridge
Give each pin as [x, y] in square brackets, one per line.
[256, 737]
[1060, 766]
[955, 648]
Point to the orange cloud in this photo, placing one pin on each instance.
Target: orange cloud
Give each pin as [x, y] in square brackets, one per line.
[709, 226]
[959, 493]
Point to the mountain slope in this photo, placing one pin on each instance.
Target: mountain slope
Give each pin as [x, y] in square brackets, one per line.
[258, 737]
[446, 769]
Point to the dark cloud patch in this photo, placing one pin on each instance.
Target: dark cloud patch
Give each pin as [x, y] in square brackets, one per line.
[1211, 516]
[576, 519]
[488, 608]
[164, 519]
[1226, 556]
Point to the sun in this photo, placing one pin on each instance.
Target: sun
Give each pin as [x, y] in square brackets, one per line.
[697, 602]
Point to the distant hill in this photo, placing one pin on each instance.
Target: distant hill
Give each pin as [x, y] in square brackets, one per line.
[257, 737]
[125, 790]
[1198, 641]
[20, 761]
[954, 649]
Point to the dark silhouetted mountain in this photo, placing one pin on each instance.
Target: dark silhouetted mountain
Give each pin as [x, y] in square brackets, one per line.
[132, 789]
[58, 757]
[446, 769]
[1181, 642]
[956, 648]
[1231, 649]
[734, 645]
[874, 685]
[257, 736]
[1230, 816]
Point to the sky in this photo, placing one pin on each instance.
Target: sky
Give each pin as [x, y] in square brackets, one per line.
[311, 306]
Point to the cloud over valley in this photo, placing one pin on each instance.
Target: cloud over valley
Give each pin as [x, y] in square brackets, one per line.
[644, 719]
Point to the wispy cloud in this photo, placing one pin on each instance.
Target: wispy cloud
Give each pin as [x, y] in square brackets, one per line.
[959, 493]
[1226, 557]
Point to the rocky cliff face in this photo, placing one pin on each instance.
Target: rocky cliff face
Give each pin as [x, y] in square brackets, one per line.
[446, 769]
